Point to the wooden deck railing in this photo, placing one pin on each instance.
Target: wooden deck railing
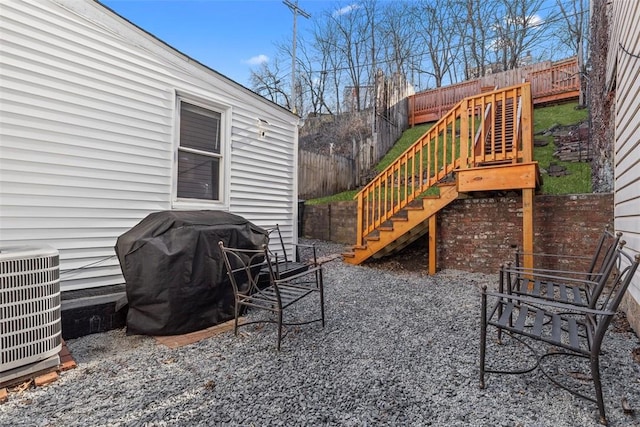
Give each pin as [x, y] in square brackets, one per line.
[471, 134]
[559, 79]
[431, 105]
[555, 81]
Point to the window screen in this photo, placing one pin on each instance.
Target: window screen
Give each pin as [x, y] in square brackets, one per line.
[199, 153]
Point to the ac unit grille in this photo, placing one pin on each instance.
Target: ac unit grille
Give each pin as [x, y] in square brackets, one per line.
[29, 306]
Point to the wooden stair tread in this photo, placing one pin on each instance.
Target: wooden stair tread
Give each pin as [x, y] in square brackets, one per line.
[383, 240]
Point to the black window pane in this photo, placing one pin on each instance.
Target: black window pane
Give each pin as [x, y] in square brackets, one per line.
[199, 128]
[198, 176]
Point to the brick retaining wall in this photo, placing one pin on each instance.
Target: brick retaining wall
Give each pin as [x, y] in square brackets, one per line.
[478, 234]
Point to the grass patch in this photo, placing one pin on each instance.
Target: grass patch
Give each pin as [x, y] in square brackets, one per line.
[408, 137]
[340, 197]
[564, 114]
[579, 178]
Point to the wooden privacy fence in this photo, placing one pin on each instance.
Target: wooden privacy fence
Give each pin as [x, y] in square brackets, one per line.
[391, 112]
[320, 175]
[549, 82]
[368, 134]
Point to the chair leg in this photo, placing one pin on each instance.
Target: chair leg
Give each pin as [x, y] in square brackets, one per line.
[279, 328]
[501, 290]
[595, 373]
[319, 277]
[483, 334]
[235, 322]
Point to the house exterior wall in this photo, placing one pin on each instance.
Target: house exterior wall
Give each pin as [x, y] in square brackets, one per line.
[624, 64]
[88, 136]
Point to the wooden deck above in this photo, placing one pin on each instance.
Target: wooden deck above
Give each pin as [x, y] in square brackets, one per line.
[550, 82]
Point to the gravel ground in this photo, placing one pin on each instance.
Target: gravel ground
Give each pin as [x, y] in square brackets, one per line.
[399, 348]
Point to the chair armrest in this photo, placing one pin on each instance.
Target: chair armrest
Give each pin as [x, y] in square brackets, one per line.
[541, 273]
[542, 254]
[540, 302]
[533, 274]
[519, 255]
[297, 276]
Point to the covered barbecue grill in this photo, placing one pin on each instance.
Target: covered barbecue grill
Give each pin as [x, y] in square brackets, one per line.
[175, 276]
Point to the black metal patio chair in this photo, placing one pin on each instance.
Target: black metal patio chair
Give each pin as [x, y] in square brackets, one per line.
[573, 286]
[549, 329]
[244, 268]
[285, 265]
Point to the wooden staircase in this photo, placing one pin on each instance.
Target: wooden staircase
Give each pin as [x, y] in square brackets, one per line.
[484, 143]
[411, 223]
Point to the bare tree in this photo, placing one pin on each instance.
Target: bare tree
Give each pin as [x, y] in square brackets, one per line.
[601, 102]
[313, 82]
[325, 42]
[397, 39]
[475, 29]
[353, 41]
[518, 28]
[575, 34]
[268, 81]
[434, 25]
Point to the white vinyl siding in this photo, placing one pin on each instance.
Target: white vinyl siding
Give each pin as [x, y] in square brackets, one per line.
[624, 49]
[88, 136]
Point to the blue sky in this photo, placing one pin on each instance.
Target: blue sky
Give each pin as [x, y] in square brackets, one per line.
[228, 36]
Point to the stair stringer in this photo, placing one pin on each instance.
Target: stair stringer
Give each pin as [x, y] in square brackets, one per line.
[416, 222]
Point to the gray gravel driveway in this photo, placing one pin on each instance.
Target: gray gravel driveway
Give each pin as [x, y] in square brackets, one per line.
[398, 349]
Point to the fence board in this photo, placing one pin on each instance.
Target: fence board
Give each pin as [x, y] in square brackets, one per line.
[320, 175]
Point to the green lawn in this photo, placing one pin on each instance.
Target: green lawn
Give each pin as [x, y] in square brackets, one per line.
[408, 137]
[579, 178]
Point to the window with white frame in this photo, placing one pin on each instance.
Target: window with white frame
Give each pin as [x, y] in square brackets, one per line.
[199, 153]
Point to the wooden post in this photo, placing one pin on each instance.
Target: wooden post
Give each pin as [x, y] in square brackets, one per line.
[464, 135]
[527, 226]
[432, 244]
[359, 220]
[527, 123]
[527, 193]
[412, 110]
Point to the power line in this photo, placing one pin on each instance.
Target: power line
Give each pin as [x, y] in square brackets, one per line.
[631, 54]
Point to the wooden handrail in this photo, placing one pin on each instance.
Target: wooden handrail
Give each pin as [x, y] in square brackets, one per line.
[472, 134]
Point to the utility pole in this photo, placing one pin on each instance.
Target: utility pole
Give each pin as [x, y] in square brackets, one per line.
[295, 10]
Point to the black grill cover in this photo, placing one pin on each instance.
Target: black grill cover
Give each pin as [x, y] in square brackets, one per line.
[174, 270]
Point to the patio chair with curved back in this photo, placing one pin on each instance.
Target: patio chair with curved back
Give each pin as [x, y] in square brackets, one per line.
[559, 328]
[568, 285]
[244, 268]
[284, 264]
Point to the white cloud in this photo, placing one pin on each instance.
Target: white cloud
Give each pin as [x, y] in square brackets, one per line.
[531, 20]
[257, 60]
[345, 10]
[535, 20]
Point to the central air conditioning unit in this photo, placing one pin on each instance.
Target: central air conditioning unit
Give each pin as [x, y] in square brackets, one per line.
[30, 328]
